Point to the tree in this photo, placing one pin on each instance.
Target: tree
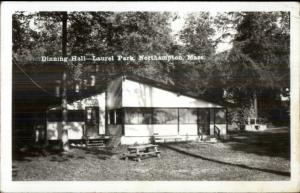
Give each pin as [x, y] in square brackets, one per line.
[99, 33]
[197, 37]
[258, 63]
[197, 34]
[64, 100]
[200, 36]
[124, 33]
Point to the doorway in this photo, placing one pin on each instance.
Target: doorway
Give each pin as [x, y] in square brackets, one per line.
[203, 121]
[92, 122]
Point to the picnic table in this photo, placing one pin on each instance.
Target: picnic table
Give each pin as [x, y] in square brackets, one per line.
[137, 152]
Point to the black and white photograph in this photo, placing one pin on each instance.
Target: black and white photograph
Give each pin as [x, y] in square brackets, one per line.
[109, 95]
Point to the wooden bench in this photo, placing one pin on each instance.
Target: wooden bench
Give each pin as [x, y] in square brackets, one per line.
[138, 152]
[159, 139]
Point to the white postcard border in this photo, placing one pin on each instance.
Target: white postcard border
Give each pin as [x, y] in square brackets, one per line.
[7, 185]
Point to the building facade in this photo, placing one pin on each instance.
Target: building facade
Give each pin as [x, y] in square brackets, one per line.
[137, 111]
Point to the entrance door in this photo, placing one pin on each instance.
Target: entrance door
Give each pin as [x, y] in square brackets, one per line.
[92, 122]
[203, 121]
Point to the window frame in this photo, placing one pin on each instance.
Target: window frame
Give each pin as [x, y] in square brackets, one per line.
[151, 110]
[197, 116]
[177, 116]
[141, 110]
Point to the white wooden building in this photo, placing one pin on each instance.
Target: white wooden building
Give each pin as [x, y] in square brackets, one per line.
[138, 110]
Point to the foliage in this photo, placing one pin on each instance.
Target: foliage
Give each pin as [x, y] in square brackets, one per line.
[197, 34]
[122, 33]
[197, 39]
[36, 35]
[257, 64]
[259, 59]
[98, 34]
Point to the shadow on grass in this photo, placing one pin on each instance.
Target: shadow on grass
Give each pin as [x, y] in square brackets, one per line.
[101, 153]
[54, 154]
[14, 171]
[59, 159]
[262, 143]
[96, 151]
[225, 163]
[26, 154]
[81, 153]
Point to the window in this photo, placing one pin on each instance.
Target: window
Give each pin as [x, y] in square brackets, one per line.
[119, 116]
[165, 116]
[138, 116]
[220, 116]
[115, 117]
[92, 115]
[187, 115]
[204, 120]
[111, 118]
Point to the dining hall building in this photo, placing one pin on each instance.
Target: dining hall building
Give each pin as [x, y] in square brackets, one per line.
[135, 110]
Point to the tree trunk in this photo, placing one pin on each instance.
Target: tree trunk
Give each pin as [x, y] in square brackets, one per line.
[64, 136]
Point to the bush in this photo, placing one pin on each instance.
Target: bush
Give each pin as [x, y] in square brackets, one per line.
[238, 116]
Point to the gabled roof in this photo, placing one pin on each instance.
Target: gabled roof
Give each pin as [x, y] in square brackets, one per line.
[101, 87]
[172, 88]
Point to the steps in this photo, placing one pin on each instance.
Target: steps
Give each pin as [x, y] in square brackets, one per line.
[97, 142]
[209, 139]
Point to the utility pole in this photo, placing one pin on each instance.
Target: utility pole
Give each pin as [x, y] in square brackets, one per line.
[64, 136]
[255, 106]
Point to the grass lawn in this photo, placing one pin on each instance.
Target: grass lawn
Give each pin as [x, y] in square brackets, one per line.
[232, 160]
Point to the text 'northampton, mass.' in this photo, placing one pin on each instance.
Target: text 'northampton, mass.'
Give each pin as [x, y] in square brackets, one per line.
[120, 58]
